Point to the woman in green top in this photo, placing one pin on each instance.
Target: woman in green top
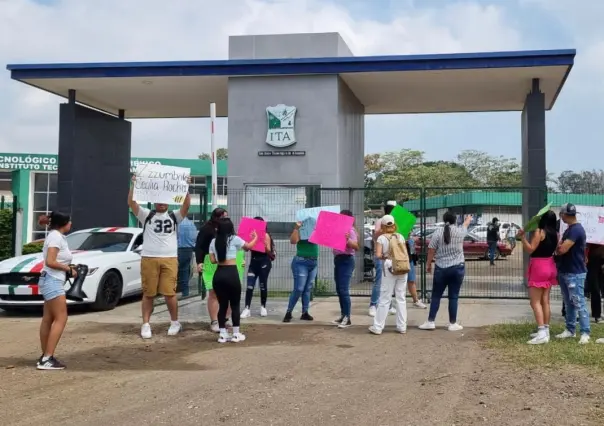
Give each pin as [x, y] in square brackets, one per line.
[304, 269]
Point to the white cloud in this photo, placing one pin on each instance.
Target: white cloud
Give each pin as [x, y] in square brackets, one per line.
[147, 30]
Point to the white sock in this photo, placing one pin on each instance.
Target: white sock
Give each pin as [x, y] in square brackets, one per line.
[174, 322]
[223, 332]
[45, 358]
[235, 330]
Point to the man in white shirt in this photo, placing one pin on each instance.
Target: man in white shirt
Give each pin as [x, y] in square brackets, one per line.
[159, 258]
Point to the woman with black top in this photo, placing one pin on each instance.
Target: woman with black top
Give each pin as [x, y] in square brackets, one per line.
[259, 270]
[226, 282]
[202, 250]
[542, 273]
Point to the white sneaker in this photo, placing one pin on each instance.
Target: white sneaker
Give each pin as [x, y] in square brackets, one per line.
[536, 333]
[584, 340]
[539, 339]
[455, 327]
[246, 313]
[392, 310]
[600, 341]
[214, 327]
[372, 311]
[224, 338]
[238, 337]
[565, 335]
[263, 312]
[401, 330]
[146, 331]
[228, 323]
[419, 304]
[374, 330]
[174, 329]
[428, 325]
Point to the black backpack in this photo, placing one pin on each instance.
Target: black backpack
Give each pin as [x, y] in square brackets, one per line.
[152, 213]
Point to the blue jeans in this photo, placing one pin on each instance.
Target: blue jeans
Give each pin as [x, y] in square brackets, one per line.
[572, 287]
[342, 272]
[185, 254]
[451, 277]
[492, 248]
[305, 271]
[377, 283]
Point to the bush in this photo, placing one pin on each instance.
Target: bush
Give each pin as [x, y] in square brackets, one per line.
[6, 234]
[32, 248]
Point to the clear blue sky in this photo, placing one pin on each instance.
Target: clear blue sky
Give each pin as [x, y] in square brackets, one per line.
[114, 30]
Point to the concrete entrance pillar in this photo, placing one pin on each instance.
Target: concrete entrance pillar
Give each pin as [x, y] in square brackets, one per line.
[94, 167]
[311, 136]
[534, 172]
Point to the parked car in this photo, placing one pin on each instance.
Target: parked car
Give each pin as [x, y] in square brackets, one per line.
[113, 259]
[476, 248]
[481, 230]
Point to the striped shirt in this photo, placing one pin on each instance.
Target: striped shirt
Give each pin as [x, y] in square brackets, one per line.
[451, 254]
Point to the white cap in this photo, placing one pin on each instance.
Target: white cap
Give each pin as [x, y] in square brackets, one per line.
[391, 203]
[387, 220]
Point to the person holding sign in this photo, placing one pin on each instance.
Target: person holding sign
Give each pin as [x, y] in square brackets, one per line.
[202, 256]
[542, 272]
[159, 257]
[572, 272]
[259, 270]
[304, 270]
[446, 250]
[226, 282]
[343, 268]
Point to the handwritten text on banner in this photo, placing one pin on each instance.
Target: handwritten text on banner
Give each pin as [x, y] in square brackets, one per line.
[161, 184]
[592, 219]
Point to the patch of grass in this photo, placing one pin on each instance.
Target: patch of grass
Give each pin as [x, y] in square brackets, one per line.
[511, 340]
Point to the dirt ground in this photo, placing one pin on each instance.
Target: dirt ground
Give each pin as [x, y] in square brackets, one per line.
[282, 375]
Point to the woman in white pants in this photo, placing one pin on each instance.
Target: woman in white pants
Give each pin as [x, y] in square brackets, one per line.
[390, 282]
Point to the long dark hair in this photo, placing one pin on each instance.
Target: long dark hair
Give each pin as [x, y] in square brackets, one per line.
[54, 220]
[215, 216]
[449, 219]
[224, 233]
[388, 209]
[548, 223]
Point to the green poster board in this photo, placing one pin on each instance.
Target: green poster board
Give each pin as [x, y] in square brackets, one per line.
[209, 269]
[534, 222]
[404, 220]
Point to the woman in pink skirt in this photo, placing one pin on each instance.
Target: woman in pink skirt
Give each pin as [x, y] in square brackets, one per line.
[542, 273]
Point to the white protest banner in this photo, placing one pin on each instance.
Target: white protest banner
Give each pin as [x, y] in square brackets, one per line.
[592, 219]
[161, 184]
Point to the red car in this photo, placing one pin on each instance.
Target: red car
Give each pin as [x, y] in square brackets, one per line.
[475, 247]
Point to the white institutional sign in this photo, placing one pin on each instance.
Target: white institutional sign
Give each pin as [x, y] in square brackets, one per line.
[281, 125]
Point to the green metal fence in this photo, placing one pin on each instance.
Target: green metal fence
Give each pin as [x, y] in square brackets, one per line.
[503, 280]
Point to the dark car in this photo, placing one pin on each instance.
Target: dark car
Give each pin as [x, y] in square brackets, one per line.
[475, 247]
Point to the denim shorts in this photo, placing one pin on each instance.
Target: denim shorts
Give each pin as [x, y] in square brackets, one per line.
[411, 273]
[51, 287]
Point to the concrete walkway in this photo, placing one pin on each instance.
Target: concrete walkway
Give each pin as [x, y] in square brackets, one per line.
[472, 312]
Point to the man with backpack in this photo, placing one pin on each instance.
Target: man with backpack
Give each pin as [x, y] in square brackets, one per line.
[159, 258]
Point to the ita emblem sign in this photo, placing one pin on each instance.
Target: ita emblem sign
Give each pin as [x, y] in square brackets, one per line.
[281, 125]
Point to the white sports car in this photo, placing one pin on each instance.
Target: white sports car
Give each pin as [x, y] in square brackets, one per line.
[113, 259]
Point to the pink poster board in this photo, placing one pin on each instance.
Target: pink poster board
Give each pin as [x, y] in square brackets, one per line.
[331, 230]
[246, 226]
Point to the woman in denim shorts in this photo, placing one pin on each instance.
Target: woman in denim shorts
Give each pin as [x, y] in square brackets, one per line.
[57, 260]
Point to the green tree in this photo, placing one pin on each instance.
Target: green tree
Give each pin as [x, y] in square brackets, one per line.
[221, 154]
[584, 182]
[488, 170]
[6, 233]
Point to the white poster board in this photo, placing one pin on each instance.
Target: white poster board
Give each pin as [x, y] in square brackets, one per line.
[160, 184]
[592, 219]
